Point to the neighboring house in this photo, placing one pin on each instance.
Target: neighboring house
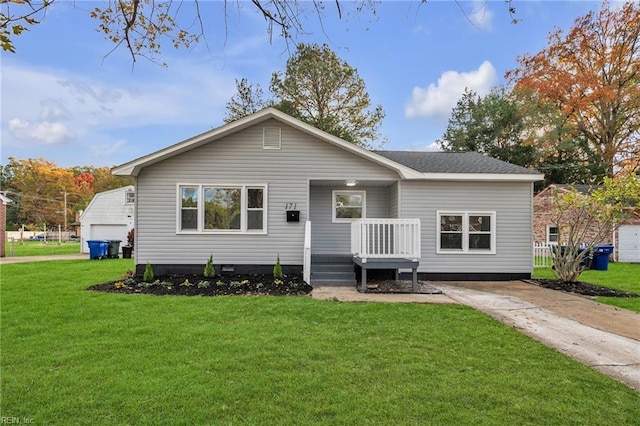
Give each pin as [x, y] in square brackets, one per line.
[626, 238]
[109, 216]
[4, 200]
[269, 185]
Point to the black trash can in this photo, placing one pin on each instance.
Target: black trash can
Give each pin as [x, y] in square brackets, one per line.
[601, 254]
[113, 249]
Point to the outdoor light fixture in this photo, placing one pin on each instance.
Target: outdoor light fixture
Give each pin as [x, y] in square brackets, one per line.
[351, 182]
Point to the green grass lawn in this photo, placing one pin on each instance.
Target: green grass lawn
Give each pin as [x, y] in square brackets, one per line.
[77, 357]
[38, 248]
[621, 276]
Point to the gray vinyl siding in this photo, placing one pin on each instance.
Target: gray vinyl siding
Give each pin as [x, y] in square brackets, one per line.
[335, 238]
[393, 200]
[240, 159]
[512, 202]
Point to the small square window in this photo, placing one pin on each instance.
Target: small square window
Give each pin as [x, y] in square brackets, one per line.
[348, 205]
[129, 197]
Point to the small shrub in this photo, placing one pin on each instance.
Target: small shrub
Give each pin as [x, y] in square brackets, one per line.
[128, 274]
[220, 283]
[277, 269]
[235, 284]
[203, 284]
[167, 284]
[277, 281]
[186, 283]
[131, 237]
[119, 284]
[130, 281]
[148, 273]
[209, 270]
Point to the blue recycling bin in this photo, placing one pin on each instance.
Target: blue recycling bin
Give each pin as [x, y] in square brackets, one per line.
[98, 249]
[601, 254]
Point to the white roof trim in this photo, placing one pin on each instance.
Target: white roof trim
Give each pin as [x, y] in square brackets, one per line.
[100, 194]
[133, 168]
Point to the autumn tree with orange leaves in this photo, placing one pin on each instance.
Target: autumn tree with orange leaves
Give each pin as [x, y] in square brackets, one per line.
[592, 75]
[41, 190]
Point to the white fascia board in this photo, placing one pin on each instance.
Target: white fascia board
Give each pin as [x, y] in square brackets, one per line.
[484, 177]
[133, 168]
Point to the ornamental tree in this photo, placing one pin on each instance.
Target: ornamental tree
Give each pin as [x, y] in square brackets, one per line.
[584, 220]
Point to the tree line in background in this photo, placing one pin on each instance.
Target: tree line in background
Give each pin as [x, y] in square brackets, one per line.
[44, 194]
[572, 110]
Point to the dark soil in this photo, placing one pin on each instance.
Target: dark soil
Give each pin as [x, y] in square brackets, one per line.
[582, 288]
[198, 285]
[400, 286]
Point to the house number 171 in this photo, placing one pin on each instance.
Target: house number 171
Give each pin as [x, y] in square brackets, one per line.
[290, 206]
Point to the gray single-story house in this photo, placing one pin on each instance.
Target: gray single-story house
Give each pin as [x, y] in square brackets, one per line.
[269, 185]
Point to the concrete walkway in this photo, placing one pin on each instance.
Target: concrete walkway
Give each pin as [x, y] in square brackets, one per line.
[25, 259]
[602, 337]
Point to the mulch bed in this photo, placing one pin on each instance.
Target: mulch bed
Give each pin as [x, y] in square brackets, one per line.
[581, 288]
[198, 285]
[400, 286]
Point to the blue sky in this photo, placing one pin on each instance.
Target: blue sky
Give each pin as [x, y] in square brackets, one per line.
[64, 101]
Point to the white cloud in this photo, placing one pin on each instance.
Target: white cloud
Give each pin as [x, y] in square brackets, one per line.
[439, 99]
[43, 132]
[51, 106]
[53, 109]
[481, 17]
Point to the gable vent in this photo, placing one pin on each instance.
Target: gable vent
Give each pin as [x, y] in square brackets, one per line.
[271, 138]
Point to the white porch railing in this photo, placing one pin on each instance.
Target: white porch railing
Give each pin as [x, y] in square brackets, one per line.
[542, 255]
[306, 262]
[386, 238]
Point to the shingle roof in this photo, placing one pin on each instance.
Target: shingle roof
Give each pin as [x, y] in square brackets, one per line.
[453, 162]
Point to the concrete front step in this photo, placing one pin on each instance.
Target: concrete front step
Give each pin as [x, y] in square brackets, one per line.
[332, 283]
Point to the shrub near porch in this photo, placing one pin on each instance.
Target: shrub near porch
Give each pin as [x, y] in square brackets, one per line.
[100, 358]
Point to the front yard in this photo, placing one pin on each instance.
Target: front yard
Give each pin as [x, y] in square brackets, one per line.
[620, 276]
[40, 248]
[76, 356]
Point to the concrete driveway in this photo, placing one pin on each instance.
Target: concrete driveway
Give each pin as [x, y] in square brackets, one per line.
[602, 337]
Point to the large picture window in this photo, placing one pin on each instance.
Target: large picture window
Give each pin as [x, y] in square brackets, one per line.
[466, 232]
[348, 205]
[222, 208]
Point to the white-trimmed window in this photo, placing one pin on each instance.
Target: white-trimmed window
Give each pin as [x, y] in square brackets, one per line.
[349, 205]
[552, 234]
[466, 232]
[222, 208]
[129, 197]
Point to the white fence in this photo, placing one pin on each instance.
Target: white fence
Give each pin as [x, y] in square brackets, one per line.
[542, 255]
[306, 265]
[386, 238]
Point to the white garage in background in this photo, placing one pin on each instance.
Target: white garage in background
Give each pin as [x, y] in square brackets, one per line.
[109, 216]
[629, 243]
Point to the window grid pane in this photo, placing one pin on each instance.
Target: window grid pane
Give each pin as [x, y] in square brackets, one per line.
[189, 208]
[222, 208]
